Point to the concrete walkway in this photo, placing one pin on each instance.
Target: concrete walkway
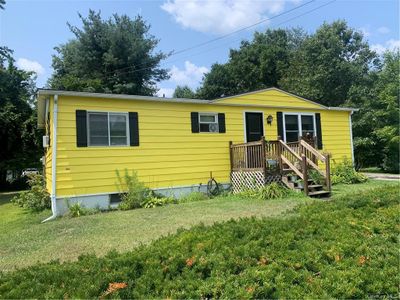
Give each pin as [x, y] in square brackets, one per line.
[383, 176]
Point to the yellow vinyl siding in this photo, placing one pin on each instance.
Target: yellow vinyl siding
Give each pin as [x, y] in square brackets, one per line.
[270, 97]
[169, 154]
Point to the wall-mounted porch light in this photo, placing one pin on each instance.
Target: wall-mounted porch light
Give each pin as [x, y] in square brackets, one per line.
[269, 120]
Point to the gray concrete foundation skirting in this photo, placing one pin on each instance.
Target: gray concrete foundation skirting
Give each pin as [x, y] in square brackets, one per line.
[102, 201]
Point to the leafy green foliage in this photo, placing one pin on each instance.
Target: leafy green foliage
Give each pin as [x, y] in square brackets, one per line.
[315, 176]
[376, 125]
[183, 92]
[272, 191]
[76, 210]
[255, 65]
[345, 173]
[134, 192]
[37, 198]
[345, 248]
[154, 201]
[18, 131]
[113, 56]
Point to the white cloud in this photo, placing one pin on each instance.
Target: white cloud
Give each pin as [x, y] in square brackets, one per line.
[221, 16]
[389, 45]
[167, 92]
[383, 30]
[191, 75]
[30, 65]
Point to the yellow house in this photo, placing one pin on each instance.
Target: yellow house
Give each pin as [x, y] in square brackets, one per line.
[173, 144]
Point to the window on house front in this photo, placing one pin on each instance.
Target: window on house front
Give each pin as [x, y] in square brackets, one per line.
[208, 122]
[107, 129]
[297, 125]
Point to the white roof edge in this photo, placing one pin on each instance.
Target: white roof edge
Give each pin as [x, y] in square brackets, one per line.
[344, 108]
[43, 92]
[269, 89]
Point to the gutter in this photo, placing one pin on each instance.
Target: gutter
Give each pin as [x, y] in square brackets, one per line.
[54, 162]
[351, 138]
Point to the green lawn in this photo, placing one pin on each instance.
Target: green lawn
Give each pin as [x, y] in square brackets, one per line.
[344, 248]
[25, 241]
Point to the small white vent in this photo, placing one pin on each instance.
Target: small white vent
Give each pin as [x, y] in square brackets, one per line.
[46, 141]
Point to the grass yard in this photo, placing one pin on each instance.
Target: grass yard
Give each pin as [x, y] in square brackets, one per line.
[25, 241]
[345, 248]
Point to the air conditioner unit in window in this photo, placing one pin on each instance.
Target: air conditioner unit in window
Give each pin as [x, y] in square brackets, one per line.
[46, 141]
[213, 128]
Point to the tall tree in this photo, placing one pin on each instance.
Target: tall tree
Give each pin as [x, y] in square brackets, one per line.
[328, 63]
[183, 92]
[257, 64]
[376, 125]
[113, 56]
[18, 130]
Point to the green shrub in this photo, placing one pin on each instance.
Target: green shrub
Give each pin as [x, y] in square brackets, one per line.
[391, 160]
[193, 197]
[76, 210]
[37, 198]
[272, 191]
[345, 248]
[315, 176]
[133, 192]
[154, 201]
[345, 173]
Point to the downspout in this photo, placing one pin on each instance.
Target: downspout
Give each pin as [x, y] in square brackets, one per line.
[351, 138]
[54, 162]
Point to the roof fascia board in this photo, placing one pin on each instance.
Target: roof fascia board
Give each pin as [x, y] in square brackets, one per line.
[270, 89]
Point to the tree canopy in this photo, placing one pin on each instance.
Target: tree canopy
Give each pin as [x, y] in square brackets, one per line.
[113, 56]
[18, 130]
[183, 92]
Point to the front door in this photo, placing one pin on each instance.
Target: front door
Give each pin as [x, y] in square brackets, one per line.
[254, 126]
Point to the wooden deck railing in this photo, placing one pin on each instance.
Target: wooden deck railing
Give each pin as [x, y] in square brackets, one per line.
[269, 156]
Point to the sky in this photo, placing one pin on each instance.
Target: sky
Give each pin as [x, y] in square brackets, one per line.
[33, 28]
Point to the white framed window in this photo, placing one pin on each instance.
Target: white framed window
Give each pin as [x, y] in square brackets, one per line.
[107, 129]
[208, 122]
[298, 124]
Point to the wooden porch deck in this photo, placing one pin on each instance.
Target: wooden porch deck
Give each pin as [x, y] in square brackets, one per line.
[298, 165]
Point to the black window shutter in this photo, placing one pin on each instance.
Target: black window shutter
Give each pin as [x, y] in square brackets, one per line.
[279, 120]
[319, 130]
[134, 128]
[81, 128]
[221, 123]
[194, 116]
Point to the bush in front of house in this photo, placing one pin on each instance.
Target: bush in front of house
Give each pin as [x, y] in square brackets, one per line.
[36, 198]
[133, 191]
[346, 248]
[345, 173]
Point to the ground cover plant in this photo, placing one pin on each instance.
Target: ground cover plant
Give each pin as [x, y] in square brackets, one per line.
[342, 248]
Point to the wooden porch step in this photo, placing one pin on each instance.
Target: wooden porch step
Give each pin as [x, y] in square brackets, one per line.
[314, 186]
[319, 193]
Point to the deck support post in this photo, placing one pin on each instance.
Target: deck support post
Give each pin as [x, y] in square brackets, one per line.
[263, 158]
[230, 155]
[305, 173]
[328, 172]
[279, 152]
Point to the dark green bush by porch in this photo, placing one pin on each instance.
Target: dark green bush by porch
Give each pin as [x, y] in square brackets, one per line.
[346, 248]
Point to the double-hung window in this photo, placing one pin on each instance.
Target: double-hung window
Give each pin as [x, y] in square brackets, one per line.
[208, 122]
[297, 125]
[107, 129]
